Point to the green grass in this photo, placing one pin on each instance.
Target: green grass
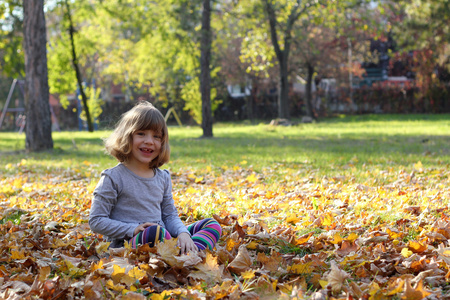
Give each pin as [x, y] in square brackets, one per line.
[338, 146]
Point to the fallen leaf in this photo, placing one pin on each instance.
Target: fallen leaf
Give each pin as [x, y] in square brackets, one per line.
[336, 277]
[242, 262]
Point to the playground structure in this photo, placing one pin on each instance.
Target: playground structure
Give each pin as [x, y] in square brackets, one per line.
[20, 111]
[174, 113]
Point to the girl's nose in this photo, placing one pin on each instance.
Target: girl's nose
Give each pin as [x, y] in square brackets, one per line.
[149, 139]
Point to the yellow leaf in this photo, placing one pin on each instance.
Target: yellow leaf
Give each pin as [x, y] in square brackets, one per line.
[323, 283]
[230, 244]
[352, 237]
[244, 162]
[102, 247]
[191, 176]
[292, 219]
[303, 239]
[191, 190]
[248, 274]
[208, 169]
[136, 273]
[373, 288]
[418, 166]
[394, 235]
[327, 220]
[118, 288]
[301, 268]
[117, 273]
[161, 296]
[406, 252]
[127, 245]
[252, 245]
[336, 238]
[198, 179]
[251, 178]
[17, 254]
[96, 266]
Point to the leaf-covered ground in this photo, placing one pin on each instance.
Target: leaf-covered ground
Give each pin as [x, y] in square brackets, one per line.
[286, 236]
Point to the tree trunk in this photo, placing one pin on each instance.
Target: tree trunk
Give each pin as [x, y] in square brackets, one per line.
[205, 75]
[308, 100]
[77, 70]
[39, 122]
[283, 93]
[282, 54]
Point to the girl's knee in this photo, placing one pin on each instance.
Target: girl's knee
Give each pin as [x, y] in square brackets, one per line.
[154, 234]
[213, 226]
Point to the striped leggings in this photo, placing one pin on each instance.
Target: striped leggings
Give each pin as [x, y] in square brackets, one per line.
[204, 233]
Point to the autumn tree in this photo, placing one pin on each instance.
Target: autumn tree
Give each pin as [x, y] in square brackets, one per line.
[282, 16]
[72, 56]
[423, 24]
[71, 32]
[330, 35]
[11, 36]
[155, 46]
[205, 73]
[39, 124]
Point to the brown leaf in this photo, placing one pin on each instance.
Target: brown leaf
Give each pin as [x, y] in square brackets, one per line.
[417, 247]
[238, 228]
[188, 260]
[168, 250]
[416, 293]
[336, 277]
[346, 248]
[209, 271]
[270, 263]
[133, 296]
[242, 262]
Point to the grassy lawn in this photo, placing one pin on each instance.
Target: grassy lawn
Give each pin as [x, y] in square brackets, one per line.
[346, 145]
[355, 205]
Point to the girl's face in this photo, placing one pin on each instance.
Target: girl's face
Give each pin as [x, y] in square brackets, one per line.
[146, 146]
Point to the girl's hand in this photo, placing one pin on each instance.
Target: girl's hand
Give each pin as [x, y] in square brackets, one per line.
[186, 243]
[142, 227]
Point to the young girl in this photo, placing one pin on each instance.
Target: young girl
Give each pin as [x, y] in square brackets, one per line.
[133, 200]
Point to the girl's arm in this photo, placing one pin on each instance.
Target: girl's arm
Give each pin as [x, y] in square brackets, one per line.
[105, 198]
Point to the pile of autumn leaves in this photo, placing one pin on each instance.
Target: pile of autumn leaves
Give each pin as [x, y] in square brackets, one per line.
[285, 236]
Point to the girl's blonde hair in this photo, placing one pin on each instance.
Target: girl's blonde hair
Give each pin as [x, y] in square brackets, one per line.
[144, 116]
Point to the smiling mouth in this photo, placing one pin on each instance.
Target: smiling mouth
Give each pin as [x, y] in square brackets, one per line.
[146, 150]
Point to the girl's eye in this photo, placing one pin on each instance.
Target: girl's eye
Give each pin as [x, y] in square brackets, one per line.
[139, 133]
[157, 137]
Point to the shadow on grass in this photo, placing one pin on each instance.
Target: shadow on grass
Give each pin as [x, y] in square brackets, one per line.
[387, 118]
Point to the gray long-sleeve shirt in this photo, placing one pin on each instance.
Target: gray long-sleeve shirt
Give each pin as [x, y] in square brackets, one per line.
[123, 200]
